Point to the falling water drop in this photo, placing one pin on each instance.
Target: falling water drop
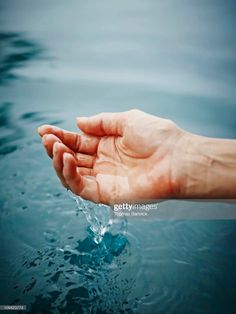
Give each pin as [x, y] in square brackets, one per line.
[97, 215]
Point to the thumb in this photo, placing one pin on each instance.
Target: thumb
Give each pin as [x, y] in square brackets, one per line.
[103, 124]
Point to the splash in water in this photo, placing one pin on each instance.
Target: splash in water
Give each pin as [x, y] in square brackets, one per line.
[79, 274]
[98, 217]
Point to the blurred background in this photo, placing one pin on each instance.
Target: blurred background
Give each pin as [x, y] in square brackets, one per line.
[61, 59]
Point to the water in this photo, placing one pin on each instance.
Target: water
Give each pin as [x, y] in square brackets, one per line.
[98, 216]
[59, 60]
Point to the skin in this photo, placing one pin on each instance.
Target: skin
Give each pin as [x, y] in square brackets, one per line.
[136, 157]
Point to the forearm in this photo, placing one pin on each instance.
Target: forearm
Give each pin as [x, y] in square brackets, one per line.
[209, 169]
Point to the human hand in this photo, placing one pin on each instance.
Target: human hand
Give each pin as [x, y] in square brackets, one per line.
[129, 156]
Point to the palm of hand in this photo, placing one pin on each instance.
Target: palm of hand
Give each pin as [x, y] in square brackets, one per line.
[116, 159]
[126, 170]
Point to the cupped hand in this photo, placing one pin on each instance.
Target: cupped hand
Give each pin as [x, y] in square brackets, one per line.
[119, 157]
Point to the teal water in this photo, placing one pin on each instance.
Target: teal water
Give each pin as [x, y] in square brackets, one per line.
[62, 59]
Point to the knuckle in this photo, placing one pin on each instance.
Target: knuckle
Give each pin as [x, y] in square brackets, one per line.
[77, 142]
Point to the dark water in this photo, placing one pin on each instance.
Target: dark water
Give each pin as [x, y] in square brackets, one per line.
[62, 59]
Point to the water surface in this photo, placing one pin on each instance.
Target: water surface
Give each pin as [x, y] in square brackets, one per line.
[62, 59]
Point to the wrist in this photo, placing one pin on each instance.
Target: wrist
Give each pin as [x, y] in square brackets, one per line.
[196, 165]
[190, 166]
[208, 168]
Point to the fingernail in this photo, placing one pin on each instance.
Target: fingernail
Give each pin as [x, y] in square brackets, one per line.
[47, 128]
[55, 148]
[45, 138]
[41, 129]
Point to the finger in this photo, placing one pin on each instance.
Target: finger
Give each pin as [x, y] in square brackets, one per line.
[103, 124]
[85, 160]
[83, 143]
[58, 150]
[48, 141]
[86, 171]
[86, 187]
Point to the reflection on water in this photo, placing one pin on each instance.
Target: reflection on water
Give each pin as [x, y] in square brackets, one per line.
[16, 52]
[10, 132]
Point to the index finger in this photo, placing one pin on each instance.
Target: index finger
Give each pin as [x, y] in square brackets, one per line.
[77, 142]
